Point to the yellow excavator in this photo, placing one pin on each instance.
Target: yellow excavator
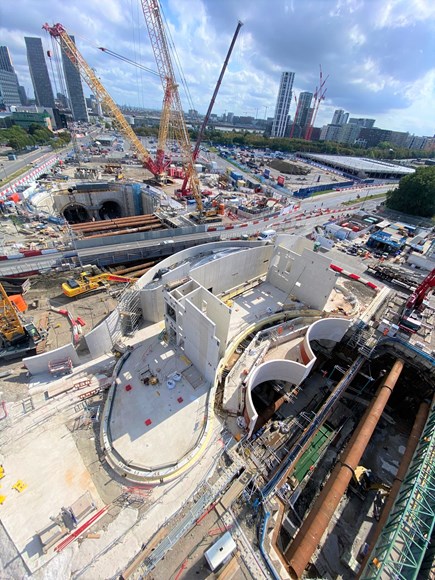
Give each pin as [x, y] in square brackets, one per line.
[16, 336]
[90, 283]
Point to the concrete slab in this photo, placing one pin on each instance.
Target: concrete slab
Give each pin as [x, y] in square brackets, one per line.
[253, 305]
[156, 425]
[56, 476]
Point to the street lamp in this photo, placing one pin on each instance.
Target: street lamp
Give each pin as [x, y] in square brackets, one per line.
[4, 171]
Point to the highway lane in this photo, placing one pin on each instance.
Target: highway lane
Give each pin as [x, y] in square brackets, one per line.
[8, 168]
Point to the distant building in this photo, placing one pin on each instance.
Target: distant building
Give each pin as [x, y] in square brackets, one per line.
[303, 114]
[24, 119]
[5, 60]
[366, 123]
[398, 138]
[329, 132]
[23, 96]
[371, 137]
[348, 134]
[75, 88]
[55, 117]
[62, 100]
[9, 95]
[315, 134]
[415, 142]
[280, 120]
[39, 72]
[9, 86]
[340, 117]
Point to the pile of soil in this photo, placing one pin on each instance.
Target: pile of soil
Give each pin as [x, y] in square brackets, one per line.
[288, 168]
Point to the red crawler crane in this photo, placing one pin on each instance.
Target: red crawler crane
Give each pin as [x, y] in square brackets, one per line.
[319, 96]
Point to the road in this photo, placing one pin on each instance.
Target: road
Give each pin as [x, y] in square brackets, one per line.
[8, 168]
[288, 223]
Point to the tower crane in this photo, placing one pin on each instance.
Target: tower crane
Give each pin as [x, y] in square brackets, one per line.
[58, 32]
[172, 108]
[319, 96]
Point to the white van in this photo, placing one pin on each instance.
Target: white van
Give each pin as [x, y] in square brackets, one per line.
[267, 235]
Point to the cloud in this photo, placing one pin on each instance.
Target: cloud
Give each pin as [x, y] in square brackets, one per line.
[378, 55]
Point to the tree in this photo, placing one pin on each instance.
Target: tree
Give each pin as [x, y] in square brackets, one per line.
[415, 194]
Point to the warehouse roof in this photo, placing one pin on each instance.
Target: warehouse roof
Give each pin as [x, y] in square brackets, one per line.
[356, 164]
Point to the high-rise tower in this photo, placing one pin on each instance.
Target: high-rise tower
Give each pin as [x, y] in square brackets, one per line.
[303, 114]
[340, 117]
[39, 72]
[283, 101]
[9, 90]
[5, 60]
[75, 89]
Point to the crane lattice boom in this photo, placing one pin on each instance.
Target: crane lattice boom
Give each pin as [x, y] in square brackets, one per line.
[58, 32]
[172, 108]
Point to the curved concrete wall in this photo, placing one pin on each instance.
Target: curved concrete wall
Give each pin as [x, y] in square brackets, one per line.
[325, 329]
[275, 370]
[290, 371]
[221, 274]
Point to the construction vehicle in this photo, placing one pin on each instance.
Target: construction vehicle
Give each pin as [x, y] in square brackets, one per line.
[90, 283]
[17, 337]
[410, 320]
[366, 482]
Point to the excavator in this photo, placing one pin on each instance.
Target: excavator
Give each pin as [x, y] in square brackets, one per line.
[90, 282]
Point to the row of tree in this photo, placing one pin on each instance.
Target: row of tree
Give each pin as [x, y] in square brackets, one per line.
[382, 151]
[18, 138]
[415, 194]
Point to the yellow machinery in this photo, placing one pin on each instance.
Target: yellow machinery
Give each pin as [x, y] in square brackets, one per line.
[364, 478]
[88, 283]
[13, 332]
[11, 329]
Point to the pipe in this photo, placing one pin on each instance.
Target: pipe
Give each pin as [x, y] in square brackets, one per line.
[308, 538]
[414, 438]
[263, 552]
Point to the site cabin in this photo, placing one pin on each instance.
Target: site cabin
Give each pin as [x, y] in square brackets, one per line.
[220, 552]
[267, 235]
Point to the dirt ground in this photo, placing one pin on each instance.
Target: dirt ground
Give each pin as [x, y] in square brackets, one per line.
[45, 295]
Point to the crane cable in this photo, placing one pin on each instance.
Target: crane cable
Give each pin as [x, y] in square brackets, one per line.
[176, 57]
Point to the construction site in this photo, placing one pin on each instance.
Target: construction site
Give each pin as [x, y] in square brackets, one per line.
[197, 383]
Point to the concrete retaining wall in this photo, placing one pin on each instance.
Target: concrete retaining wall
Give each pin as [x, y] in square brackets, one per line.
[39, 363]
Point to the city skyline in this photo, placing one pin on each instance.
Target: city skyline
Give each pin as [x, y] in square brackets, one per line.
[379, 55]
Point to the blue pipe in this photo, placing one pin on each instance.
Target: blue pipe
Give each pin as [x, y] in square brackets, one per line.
[263, 529]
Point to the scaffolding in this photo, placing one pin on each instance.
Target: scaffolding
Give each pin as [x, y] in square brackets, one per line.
[402, 545]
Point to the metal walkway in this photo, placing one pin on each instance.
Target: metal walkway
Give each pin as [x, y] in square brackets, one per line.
[401, 547]
[314, 426]
[204, 502]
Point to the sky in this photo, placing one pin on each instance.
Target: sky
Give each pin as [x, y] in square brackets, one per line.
[378, 55]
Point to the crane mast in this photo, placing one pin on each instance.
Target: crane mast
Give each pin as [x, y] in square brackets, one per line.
[58, 32]
[213, 99]
[172, 108]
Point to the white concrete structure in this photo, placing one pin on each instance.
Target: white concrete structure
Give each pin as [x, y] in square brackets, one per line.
[292, 371]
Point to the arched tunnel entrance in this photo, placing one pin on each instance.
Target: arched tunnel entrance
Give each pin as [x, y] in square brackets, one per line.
[76, 214]
[110, 210]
